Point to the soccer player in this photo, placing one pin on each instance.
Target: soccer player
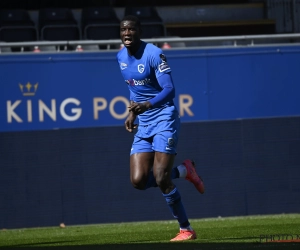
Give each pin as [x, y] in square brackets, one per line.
[148, 76]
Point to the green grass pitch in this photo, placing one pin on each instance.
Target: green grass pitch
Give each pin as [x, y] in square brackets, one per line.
[227, 233]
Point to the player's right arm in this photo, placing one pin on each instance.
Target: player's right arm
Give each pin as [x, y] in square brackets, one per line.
[129, 122]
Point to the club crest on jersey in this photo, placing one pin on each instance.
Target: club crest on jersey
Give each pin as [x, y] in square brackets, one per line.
[141, 68]
[164, 65]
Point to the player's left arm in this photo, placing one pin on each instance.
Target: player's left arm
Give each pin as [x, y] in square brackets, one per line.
[167, 94]
[168, 91]
[164, 78]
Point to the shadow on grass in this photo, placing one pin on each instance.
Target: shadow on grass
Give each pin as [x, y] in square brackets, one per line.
[171, 246]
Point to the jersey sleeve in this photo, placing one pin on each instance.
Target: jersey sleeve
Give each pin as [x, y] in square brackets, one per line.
[168, 91]
[159, 63]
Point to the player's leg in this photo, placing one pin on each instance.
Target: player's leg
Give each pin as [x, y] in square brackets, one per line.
[140, 165]
[162, 167]
[165, 145]
[144, 145]
[168, 143]
[141, 161]
[191, 175]
[185, 170]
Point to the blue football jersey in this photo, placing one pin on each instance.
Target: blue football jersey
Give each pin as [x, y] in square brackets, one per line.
[140, 73]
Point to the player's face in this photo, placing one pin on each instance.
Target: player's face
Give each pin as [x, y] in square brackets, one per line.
[130, 34]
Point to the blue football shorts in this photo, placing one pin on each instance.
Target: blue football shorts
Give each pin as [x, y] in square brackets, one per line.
[157, 137]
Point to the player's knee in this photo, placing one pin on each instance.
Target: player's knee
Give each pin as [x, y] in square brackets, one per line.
[161, 180]
[138, 183]
[138, 186]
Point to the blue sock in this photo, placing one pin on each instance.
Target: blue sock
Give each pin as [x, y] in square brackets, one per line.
[152, 182]
[173, 200]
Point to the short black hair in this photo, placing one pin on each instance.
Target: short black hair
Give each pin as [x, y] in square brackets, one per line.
[133, 19]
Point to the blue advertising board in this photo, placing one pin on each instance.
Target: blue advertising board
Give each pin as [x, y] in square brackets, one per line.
[72, 90]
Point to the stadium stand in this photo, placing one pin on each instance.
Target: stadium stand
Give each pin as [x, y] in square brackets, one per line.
[57, 24]
[152, 23]
[165, 45]
[98, 20]
[99, 23]
[90, 47]
[17, 26]
[48, 48]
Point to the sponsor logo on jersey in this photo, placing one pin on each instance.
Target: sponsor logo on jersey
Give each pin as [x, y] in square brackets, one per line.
[164, 65]
[133, 82]
[123, 66]
[141, 68]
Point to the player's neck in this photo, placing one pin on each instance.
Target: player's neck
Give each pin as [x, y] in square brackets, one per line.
[133, 50]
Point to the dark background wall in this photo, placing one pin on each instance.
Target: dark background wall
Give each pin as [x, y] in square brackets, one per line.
[81, 176]
[37, 4]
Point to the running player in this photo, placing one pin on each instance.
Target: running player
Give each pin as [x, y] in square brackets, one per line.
[148, 76]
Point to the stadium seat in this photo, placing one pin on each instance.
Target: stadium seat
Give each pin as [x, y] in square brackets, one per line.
[152, 23]
[57, 24]
[17, 26]
[100, 23]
